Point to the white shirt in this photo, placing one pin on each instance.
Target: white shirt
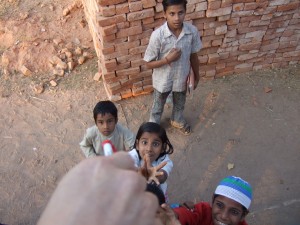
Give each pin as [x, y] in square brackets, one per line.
[167, 168]
[172, 77]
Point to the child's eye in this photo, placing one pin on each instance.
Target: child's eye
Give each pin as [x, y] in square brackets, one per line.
[156, 144]
[144, 142]
[235, 212]
[219, 204]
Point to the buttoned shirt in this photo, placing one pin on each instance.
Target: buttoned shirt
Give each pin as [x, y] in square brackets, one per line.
[172, 76]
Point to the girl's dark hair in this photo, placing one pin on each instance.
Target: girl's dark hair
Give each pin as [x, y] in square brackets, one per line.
[104, 107]
[156, 190]
[167, 3]
[151, 127]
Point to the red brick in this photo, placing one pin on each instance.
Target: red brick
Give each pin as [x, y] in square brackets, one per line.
[255, 5]
[159, 7]
[127, 45]
[110, 2]
[281, 18]
[233, 21]
[135, 6]
[148, 88]
[250, 46]
[123, 25]
[148, 3]
[238, 7]
[194, 15]
[224, 18]
[126, 94]
[226, 3]
[107, 11]
[256, 23]
[122, 8]
[127, 72]
[249, 18]
[242, 13]
[137, 50]
[122, 66]
[137, 91]
[159, 15]
[217, 42]
[129, 31]
[278, 24]
[145, 33]
[135, 23]
[213, 24]
[128, 58]
[269, 47]
[156, 23]
[201, 6]
[148, 20]
[214, 5]
[140, 15]
[108, 30]
[219, 12]
[213, 58]
[106, 21]
[137, 62]
[278, 2]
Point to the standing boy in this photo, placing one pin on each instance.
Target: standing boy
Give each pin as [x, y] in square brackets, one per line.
[106, 128]
[171, 52]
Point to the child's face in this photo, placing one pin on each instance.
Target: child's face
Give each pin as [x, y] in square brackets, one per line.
[106, 123]
[150, 144]
[175, 15]
[226, 211]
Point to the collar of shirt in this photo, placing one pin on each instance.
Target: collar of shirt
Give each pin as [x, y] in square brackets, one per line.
[167, 32]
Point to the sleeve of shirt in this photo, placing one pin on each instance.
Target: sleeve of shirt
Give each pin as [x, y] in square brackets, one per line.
[129, 139]
[201, 214]
[187, 217]
[134, 156]
[86, 145]
[196, 44]
[168, 168]
[153, 48]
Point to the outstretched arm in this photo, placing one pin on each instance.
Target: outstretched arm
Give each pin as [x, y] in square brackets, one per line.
[153, 173]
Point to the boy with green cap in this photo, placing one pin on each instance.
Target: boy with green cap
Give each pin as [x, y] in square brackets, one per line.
[230, 205]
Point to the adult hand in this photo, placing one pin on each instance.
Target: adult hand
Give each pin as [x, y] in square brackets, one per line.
[102, 190]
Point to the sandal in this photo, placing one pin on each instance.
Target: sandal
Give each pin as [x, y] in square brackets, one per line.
[184, 129]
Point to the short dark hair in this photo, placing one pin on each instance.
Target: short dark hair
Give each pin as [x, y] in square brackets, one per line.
[167, 3]
[104, 107]
[156, 190]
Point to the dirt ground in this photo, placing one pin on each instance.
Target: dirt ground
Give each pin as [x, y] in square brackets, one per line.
[249, 122]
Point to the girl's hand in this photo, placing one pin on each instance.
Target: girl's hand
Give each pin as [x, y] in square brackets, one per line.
[173, 55]
[151, 172]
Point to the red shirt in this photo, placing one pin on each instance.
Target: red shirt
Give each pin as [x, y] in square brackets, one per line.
[200, 215]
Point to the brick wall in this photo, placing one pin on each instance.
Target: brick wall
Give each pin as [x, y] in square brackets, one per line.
[237, 36]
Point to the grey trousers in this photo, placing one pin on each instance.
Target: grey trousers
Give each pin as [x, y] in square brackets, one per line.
[159, 100]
